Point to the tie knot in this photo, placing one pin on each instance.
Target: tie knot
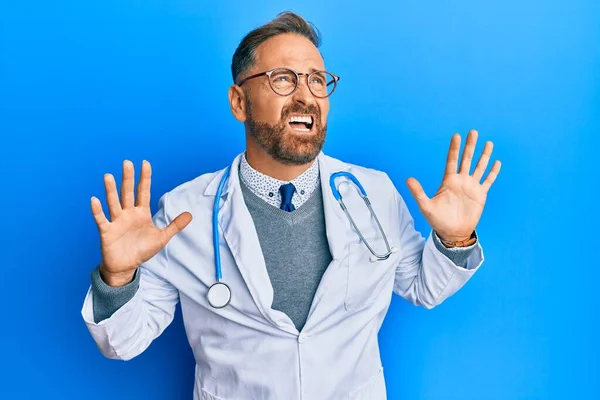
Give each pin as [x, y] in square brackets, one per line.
[287, 191]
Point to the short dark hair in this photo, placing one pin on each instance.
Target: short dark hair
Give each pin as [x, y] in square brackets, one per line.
[286, 22]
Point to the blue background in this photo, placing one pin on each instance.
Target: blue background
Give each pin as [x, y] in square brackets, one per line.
[86, 84]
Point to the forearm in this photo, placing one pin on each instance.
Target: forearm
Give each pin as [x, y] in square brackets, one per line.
[108, 299]
[426, 276]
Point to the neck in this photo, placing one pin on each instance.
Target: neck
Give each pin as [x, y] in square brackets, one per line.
[261, 161]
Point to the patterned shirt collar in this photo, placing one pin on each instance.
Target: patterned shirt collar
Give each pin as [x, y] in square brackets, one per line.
[267, 188]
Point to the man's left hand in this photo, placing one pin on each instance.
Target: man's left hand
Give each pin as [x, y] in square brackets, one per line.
[457, 206]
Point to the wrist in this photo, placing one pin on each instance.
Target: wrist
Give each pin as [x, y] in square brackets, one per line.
[116, 279]
[457, 241]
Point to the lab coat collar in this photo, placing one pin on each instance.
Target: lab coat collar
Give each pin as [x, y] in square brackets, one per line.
[327, 166]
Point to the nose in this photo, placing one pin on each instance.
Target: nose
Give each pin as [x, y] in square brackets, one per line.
[302, 94]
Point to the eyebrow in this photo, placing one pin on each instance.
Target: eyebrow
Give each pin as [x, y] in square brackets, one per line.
[310, 70]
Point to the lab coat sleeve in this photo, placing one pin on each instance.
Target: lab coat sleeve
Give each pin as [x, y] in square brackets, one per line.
[131, 329]
[458, 255]
[425, 275]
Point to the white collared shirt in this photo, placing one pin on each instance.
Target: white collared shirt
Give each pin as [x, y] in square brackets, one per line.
[267, 187]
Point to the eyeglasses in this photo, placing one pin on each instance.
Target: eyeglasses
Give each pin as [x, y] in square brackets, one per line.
[284, 81]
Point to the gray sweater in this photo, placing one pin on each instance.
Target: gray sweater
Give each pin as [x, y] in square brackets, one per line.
[294, 245]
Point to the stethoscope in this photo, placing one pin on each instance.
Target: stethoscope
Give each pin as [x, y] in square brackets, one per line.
[219, 294]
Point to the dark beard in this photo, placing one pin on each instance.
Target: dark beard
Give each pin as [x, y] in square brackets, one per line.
[284, 147]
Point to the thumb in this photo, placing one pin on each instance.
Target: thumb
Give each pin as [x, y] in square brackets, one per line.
[177, 225]
[417, 191]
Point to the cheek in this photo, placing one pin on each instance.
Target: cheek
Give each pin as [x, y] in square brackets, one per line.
[324, 112]
[268, 109]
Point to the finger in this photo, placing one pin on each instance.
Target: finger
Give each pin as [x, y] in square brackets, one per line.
[489, 180]
[467, 156]
[112, 198]
[98, 214]
[177, 225]
[483, 161]
[143, 188]
[127, 185]
[452, 159]
[418, 193]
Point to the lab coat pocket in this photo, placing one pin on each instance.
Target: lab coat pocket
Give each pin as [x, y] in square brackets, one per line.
[374, 389]
[209, 396]
[367, 280]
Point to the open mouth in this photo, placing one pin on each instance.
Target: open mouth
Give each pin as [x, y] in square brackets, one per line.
[301, 123]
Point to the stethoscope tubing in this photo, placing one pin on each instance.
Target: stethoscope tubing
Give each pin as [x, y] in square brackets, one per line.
[336, 193]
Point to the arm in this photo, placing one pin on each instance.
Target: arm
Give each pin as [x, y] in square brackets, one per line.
[137, 302]
[426, 275]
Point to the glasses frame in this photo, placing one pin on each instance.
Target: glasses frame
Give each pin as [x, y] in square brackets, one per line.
[298, 74]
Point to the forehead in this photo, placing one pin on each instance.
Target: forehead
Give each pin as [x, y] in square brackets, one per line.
[288, 50]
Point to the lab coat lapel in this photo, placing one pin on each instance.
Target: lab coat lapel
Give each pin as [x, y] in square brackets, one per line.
[336, 225]
[241, 237]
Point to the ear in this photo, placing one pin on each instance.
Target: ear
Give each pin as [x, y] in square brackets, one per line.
[237, 102]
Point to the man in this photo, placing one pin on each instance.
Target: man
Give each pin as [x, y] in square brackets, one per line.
[305, 296]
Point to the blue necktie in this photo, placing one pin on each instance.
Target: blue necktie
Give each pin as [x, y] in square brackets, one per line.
[287, 191]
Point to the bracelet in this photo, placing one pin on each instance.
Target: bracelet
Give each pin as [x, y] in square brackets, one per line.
[460, 243]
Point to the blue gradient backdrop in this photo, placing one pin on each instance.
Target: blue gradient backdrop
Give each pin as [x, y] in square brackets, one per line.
[86, 84]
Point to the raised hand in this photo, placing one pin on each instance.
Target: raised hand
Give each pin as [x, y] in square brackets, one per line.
[130, 237]
[457, 206]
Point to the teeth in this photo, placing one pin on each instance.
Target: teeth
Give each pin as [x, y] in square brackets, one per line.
[301, 118]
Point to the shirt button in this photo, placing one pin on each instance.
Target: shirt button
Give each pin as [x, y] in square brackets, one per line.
[271, 194]
[303, 337]
[302, 192]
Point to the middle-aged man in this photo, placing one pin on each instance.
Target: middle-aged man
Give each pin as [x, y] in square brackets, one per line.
[290, 304]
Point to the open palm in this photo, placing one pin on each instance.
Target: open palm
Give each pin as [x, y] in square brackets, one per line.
[454, 211]
[130, 237]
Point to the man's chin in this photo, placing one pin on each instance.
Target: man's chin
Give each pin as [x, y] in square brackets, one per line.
[298, 155]
[287, 145]
[299, 148]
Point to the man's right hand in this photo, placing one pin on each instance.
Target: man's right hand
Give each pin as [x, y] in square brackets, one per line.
[130, 237]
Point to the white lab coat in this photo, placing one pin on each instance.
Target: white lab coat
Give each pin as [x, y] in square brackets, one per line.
[248, 350]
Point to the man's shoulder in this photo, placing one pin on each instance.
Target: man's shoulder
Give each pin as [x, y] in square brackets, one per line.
[203, 186]
[361, 172]
[195, 186]
[188, 194]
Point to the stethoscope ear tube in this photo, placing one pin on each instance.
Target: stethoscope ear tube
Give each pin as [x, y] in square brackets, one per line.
[334, 189]
[336, 193]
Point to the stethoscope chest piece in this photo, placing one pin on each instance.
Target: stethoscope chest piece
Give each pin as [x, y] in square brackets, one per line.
[219, 295]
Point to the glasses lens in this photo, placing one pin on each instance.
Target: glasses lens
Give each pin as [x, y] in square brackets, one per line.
[283, 81]
[321, 83]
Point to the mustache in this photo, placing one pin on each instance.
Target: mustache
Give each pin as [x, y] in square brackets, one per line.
[301, 109]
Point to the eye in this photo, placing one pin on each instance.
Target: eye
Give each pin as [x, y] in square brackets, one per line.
[283, 77]
[317, 80]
